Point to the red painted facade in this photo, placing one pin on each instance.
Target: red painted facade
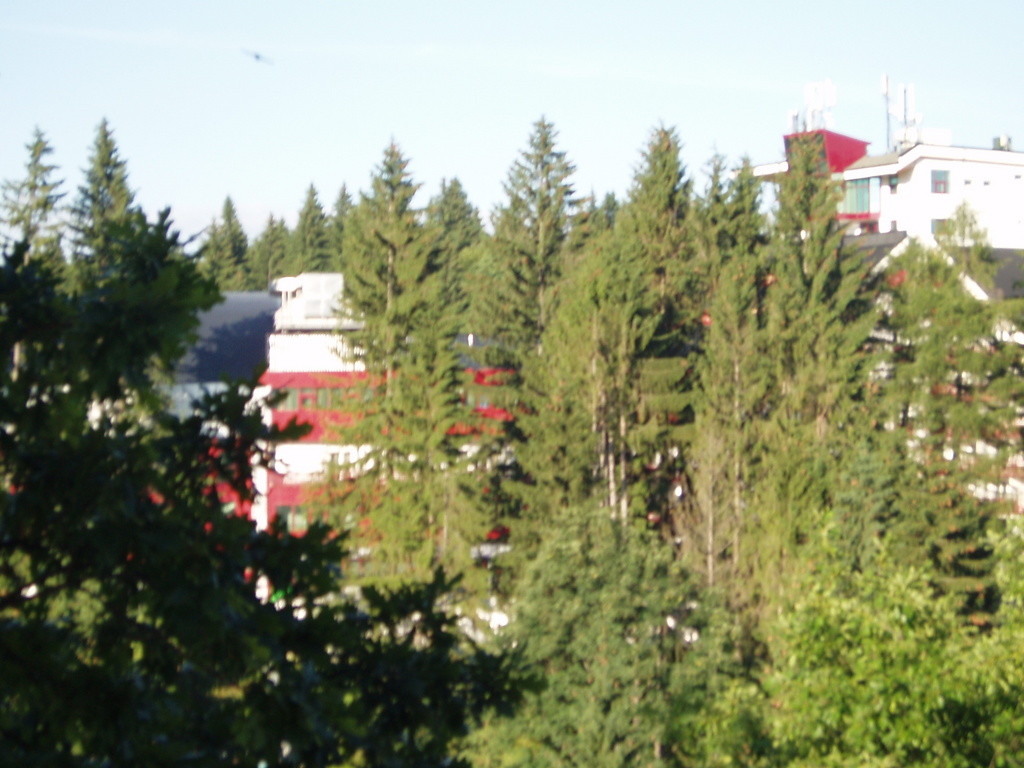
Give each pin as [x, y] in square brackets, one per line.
[840, 152]
[312, 398]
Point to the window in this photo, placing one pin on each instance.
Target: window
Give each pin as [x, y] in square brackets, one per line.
[861, 198]
[295, 517]
[940, 226]
[291, 400]
[940, 182]
[858, 197]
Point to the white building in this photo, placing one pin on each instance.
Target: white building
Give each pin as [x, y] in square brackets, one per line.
[310, 361]
[917, 189]
[309, 327]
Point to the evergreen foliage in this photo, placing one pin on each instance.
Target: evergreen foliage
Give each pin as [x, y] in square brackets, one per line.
[733, 376]
[267, 257]
[31, 206]
[532, 241]
[603, 616]
[459, 227]
[224, 252]
[410, 494]
[819, 314]
[950, 393]
[104, 199]
[130, 629]
[653, 221]
[336, 229]
[651, 230]
[310, 246]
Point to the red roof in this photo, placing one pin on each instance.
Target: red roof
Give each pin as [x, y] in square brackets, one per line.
[840, 151]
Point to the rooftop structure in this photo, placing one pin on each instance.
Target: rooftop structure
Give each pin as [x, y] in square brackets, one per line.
[917, 188]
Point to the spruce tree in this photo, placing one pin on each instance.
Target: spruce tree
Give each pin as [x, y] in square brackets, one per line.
[532, 242]
[653, 220]
[651, 231]
[732, 372]
[336, 229]
[459, 226]
[224, 253]
[30, 206]
[519, 276]
[819, 314]
[131, 631]
[949, 399]
[310, 247]
[410, 494]
[102, 207]
[602, 331]
[605, 615]
[267, 257]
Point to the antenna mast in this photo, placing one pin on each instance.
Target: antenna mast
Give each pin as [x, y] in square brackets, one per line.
[888, 112]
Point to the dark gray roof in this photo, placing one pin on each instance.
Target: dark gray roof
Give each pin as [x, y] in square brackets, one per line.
[232, 339]
[1009, 280]
[1009, 277]
[875, 246]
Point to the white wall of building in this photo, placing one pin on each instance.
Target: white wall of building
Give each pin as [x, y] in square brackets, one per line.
[306, 462]
[991, 182]
[310, 353]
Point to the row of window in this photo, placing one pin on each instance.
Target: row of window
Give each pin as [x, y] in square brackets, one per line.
[862, 195]
[310, 399]
[296, 518]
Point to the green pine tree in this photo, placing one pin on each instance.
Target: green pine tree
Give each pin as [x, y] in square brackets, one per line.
[411, 495]
[224, 253]
[460, 228]
[604, 614]
[532, 241]
[733, 375]
[654, 221]
[267, 257]
[310, 246]
[101, 209]
[652, 230]
[336, 229]
[950, 394]
[30, 206]
[819, 314]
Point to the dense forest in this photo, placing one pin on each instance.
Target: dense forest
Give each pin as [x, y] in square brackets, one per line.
[751, 493]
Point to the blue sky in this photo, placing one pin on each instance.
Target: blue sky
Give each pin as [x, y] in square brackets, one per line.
[459, 84]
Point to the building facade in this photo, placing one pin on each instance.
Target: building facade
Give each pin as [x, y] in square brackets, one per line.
[917, 189]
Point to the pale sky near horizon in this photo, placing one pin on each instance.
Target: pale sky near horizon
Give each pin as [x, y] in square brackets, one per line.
[458, 85]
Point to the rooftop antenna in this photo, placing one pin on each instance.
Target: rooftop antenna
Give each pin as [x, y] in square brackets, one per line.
[900, 103]
[888, 112]
[819, 99]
